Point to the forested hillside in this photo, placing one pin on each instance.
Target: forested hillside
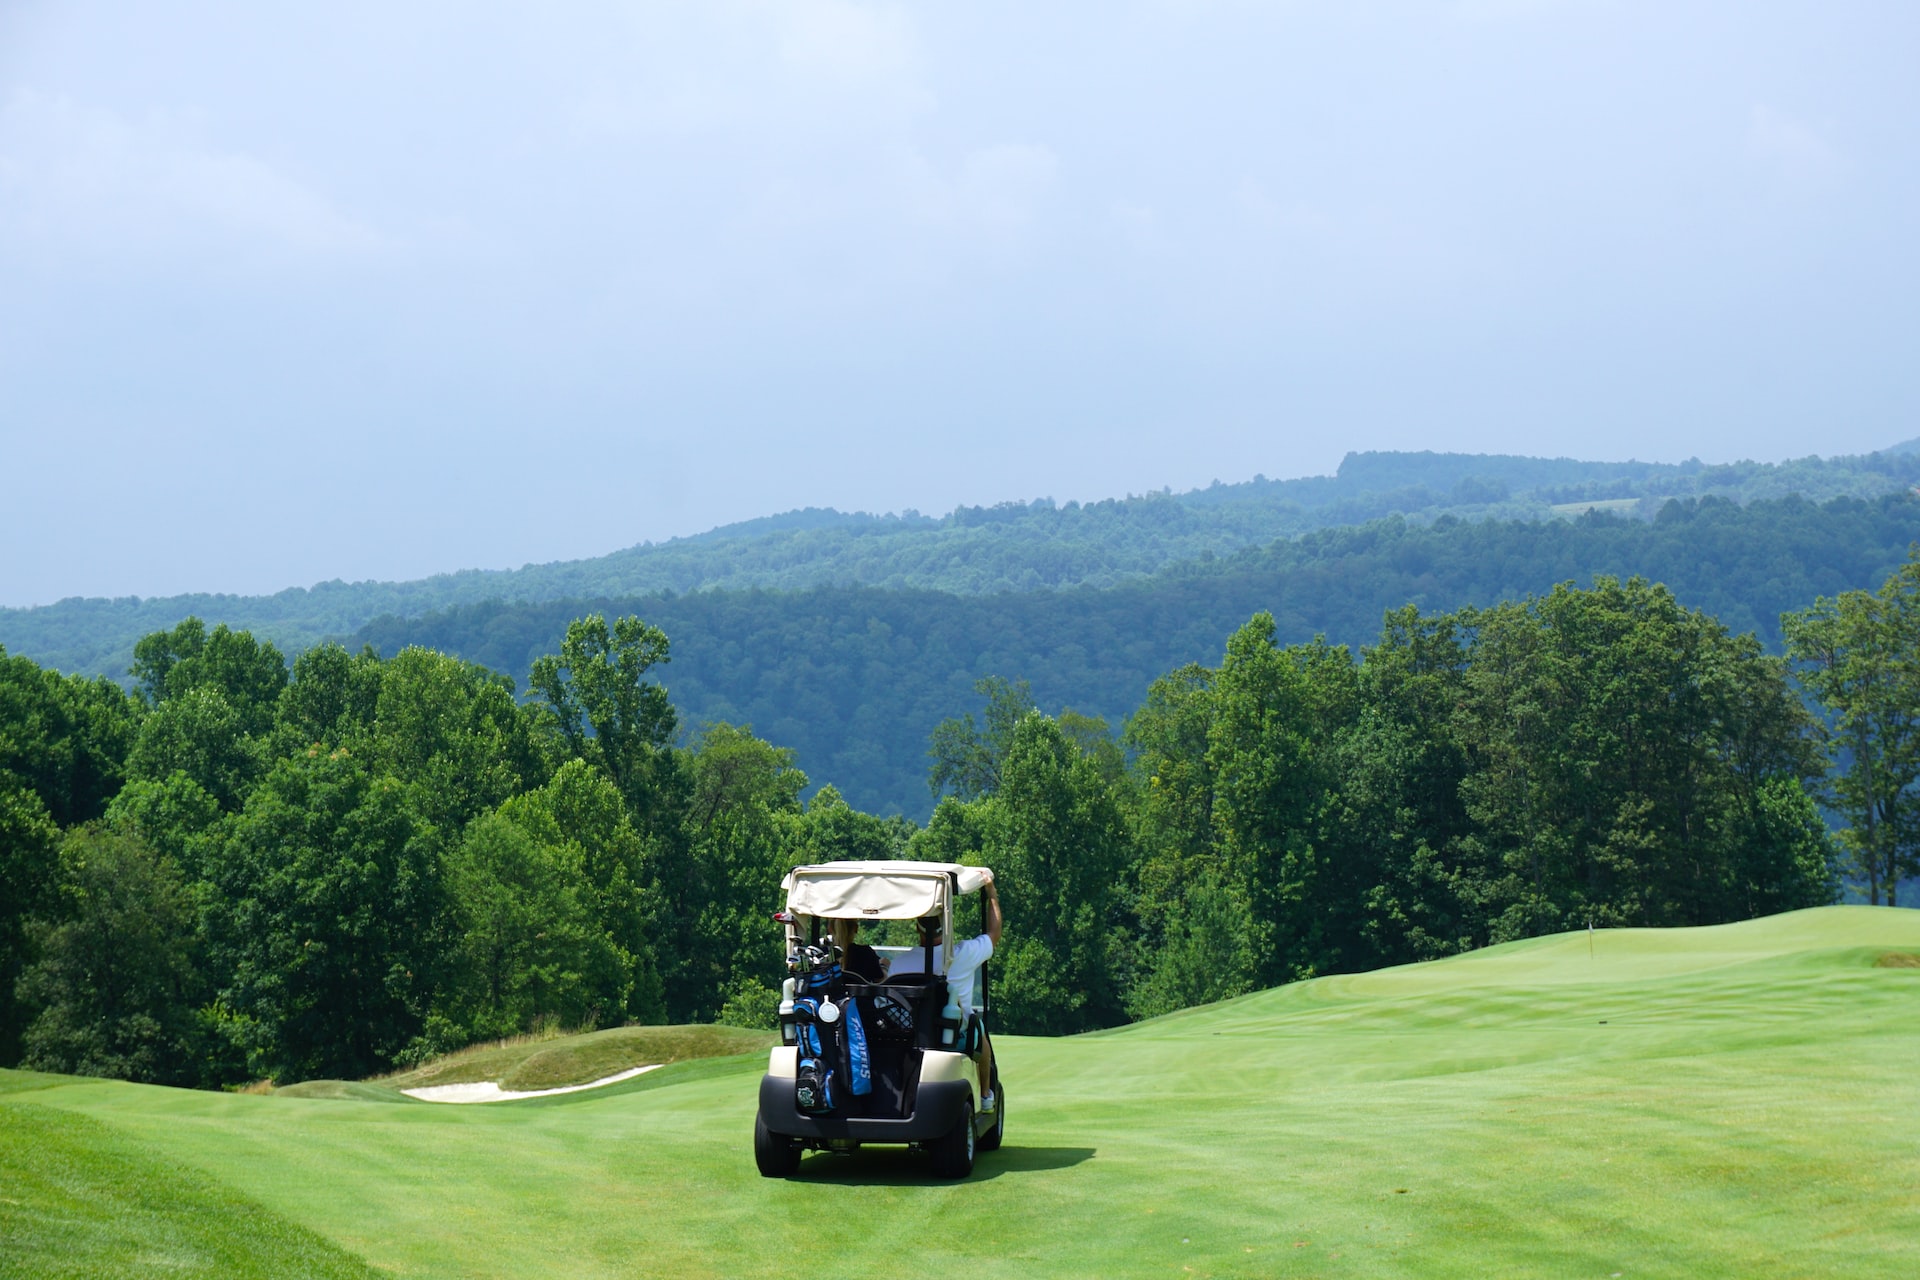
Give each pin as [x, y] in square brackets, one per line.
[854, 678]
[247, 868]
[976, 550]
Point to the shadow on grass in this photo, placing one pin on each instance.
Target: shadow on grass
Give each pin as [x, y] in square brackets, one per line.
[901, 1167]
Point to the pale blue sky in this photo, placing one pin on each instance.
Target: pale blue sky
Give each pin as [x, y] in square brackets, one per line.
[361, 290]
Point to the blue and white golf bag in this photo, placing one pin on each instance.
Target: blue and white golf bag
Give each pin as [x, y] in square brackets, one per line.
[829, 1035]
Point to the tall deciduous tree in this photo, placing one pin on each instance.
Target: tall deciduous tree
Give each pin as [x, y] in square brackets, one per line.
[747, 827]
[1859, 654]
[200, 735]
[581, 820]
[1399, 810]
[1194, 918]
[327, 919]
[529, 949]
[1276, 713]
[601, 705]
[116, 986]
[29, 870]
[65, 737]
[1059, 847]
[175, 816]
[452, 730]
[1619, 744]
[249, 673]
[213, 699]
[968, 755]
[332, 698]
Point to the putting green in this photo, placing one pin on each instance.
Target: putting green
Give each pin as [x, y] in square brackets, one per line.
[1732, 1101]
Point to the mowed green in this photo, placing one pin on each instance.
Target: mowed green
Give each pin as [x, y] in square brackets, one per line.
[1733, 1101]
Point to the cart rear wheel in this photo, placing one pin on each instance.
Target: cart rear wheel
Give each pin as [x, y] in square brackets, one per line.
[953, 1154]
[777, 1154]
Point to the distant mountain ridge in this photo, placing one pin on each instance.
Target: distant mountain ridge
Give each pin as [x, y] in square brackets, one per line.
[971, 551]
[855, 678]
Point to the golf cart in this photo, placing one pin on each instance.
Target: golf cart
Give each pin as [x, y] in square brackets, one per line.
[864, 1061]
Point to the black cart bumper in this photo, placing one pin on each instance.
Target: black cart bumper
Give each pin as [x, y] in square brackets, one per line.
[938, 1107]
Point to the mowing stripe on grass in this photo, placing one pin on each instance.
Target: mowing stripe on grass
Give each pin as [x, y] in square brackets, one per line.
[78, 1200]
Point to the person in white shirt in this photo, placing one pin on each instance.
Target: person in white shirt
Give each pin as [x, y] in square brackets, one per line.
[968, 956]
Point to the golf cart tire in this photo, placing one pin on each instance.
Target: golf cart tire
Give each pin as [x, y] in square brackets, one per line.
[777, 1155]
[990, 1140]
[953, 1151]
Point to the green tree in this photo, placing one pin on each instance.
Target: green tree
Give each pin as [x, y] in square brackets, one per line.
[1399, 810]
[200, 735]
[1276, 712]
[1619, 745]
[597, 705]
[529, 949]
[835, 831]
[65, 737]
[1790, 861]
[117, 989]
[967, 756]
[175, 816]
[452, 731]
[327, 919]
[1058, 845]
[29, 870]
[747, 827]
[1859, 655]
[581, 822]
[332, 698]
[1195, 923]
[957, 832]
[1204, 951]
[598, 702]
[248, 673]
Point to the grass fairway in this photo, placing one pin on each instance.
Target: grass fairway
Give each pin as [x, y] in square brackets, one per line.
[1735, 1101]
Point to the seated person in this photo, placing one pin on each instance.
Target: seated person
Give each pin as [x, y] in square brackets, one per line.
[968, 956]
[857, 958]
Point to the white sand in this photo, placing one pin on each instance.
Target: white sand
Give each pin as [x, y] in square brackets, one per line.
[488, 1091]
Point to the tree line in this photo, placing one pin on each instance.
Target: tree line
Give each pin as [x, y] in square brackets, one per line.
[246, 868]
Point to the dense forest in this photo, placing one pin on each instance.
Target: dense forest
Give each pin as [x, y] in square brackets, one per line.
[854, 679]
[1011, 547]
[246, 868]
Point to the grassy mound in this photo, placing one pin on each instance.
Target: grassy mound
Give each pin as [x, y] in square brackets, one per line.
[552, 1063]
[527, 1063]
[1707, 1102]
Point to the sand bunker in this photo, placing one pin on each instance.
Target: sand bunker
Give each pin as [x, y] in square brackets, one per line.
[488, 1091]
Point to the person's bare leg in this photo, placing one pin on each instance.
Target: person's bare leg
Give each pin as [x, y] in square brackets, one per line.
[986, 1067]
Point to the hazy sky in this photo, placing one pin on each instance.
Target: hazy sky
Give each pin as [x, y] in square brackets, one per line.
[290, 293]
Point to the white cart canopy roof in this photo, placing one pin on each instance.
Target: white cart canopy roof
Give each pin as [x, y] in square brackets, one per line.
[876, 890]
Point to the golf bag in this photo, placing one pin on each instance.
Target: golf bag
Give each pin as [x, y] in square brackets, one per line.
[814, 1079]
[830, 1036]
